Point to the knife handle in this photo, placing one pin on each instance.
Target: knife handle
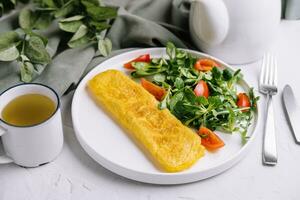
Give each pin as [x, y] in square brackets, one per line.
[269, 153]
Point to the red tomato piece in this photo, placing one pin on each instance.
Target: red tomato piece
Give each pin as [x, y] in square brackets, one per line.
[209, 139]
[153, 89]
[142, 58]
[243, 101]
[201, 89]
[205, 64]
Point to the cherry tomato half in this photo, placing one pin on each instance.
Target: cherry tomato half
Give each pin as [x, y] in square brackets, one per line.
[205, 64]
[209, 139]
[201, 89]
[142, 58]
[243, 101]
[153, 89]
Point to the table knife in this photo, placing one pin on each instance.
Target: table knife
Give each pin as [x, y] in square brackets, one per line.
[292, 111]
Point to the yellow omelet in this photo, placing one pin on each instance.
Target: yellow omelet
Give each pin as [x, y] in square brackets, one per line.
[172, 146]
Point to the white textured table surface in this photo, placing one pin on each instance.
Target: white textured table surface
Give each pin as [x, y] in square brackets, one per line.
[74, 175]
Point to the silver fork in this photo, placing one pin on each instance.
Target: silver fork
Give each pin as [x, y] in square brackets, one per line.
[268, 86]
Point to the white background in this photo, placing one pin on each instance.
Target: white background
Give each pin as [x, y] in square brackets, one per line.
[74, 175]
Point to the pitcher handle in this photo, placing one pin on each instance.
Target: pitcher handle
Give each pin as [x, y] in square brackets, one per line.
[4, 159]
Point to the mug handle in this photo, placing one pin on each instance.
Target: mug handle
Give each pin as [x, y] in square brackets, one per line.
[4, 159]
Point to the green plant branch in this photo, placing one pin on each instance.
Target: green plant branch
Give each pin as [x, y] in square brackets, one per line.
[84, 21]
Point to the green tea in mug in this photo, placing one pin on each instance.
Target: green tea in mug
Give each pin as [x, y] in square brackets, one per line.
[28, 110]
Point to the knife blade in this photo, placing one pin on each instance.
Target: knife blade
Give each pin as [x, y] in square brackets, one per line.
[292, 111]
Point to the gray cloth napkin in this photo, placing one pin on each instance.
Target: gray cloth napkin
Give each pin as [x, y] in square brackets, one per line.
[141, 23]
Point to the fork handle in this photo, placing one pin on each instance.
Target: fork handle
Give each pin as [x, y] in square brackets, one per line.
[269, 142]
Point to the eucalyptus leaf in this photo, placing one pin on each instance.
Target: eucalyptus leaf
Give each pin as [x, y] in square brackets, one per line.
[24, 58]
[27, 71]
[65, 10]
[99, 26]
[90, 3]
[105, 46]
[49, 3]
[31, 34]
[8, 39]
[74, 18]
[26, 18]
[70, 26]
[101, 13]
[35, 50]
[79, 42]
[43, 21]
[80, 37]
[82, 31]
[9, 54]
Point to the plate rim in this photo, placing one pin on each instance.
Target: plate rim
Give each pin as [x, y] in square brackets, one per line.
[221, 167]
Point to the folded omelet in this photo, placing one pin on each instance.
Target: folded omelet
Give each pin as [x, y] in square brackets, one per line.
[172, 146]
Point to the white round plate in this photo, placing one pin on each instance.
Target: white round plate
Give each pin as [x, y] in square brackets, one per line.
[105, 141]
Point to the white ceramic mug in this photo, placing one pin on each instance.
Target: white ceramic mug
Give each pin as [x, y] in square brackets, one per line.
[31, 146]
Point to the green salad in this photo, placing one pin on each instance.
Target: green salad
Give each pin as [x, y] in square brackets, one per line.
[198, 91]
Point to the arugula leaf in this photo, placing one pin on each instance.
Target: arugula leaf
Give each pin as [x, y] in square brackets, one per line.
[145, 69]
[175, 99]
[171, 50]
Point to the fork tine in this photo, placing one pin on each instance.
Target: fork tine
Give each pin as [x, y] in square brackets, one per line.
[271, 72]
[263, 70]
[262, 73]
[267, 72]
[275, 72]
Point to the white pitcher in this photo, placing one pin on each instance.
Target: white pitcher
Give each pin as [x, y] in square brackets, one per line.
[237, 31]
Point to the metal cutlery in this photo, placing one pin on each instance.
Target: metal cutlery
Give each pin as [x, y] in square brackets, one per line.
[292, 111]
[268, 86]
